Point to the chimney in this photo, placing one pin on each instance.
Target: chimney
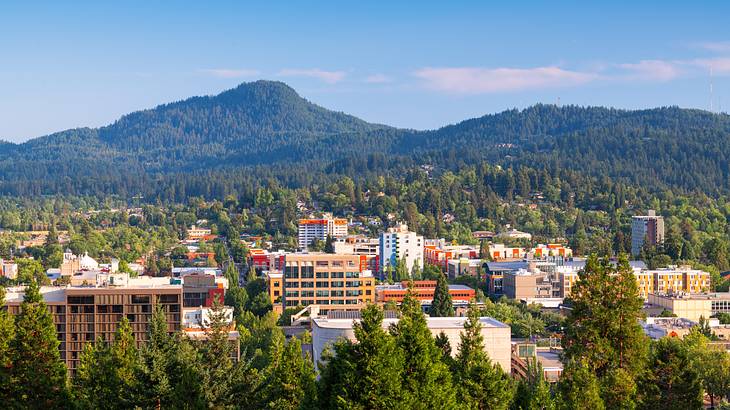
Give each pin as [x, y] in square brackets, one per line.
[652, 212]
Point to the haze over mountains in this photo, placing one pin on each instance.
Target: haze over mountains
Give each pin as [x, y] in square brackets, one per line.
[265, 127]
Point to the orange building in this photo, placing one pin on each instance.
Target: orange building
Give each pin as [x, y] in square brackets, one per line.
[424, 291]
[440, 256]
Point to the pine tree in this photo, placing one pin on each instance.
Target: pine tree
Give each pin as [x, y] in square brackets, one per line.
[579, 389]
[38, 374]
[155, 363]
[442, 306]
[290, 378]
[216, 358]
[671, 382]
[93, 383]
[426, 378]
[481, 384]
[7, 333]
[125, 363]
[533, 393]
[329, 245]
[367, 374]
[602, 330]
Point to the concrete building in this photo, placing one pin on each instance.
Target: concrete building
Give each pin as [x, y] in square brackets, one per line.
[424, 291]
[464, 266]
[646, 230]
[552, 249]
[196, 232]
[497, 335]
[441, 255]
[398, 243]
[84, 314]
[367, 248]
[310, 229]
[322, 279]
[693, 306]
[8, 269]
[514, 234]
[499, 251]
[526, 284]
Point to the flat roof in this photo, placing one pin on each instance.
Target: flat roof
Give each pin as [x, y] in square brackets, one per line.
[432, 322]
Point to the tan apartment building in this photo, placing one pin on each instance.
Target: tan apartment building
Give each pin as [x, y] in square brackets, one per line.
[322, 279]
[523, 284]
[84, 314]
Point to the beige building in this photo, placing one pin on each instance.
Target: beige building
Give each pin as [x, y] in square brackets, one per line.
[497, 335]
[525, 284]
[684, 306]
[322, 279]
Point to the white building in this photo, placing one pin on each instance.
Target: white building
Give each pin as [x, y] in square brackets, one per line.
[311, 229]
[497, 335]
[646, 229]
[199, 317]
[398, 243]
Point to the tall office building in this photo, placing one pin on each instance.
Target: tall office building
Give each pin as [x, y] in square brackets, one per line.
[398, 243]
[310, 229]
[646, 230]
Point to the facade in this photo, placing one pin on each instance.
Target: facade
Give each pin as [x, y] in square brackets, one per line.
[195, 232]
[514, 234]
[424, 291]
[263, 260]
[463, 266]
[497, 335]
[8, 269]
[646, 230]
[310, 229]
[441, 255]
[398, 243]
[366, 248]
[324, 279]
[498, 251]
[552, 249]
[85, 314]
[693, 306]
[526, 285]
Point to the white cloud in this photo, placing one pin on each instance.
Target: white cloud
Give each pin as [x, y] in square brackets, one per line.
[719, 65]
[378, 79]
[716, 46]
[476, 80]
[653, 70]
[230, 72]
[330, 77]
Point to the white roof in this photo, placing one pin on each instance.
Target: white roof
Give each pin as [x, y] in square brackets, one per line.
[432, 322]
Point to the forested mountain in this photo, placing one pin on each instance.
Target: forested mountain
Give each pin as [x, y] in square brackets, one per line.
[265, 129]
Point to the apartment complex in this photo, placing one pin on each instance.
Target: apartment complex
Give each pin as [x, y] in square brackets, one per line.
[499, 251]
[322, 279]
[366, 248]
[441, 255]
[84, 314]
[398, 243]
[196, 232]
[464, 266]
[646, 230]
[311, 229]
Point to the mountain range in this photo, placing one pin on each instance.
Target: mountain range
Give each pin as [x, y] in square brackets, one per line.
[265, 126]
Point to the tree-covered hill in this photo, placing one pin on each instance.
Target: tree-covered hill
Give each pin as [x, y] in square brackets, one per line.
[268, 130]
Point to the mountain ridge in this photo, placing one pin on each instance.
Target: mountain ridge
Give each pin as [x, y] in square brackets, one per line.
[264, 123]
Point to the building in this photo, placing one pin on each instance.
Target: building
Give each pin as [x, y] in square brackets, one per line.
[367, 248]
[693, 306]
[441, 255]
[552, 249]
[526, 284]
[262, 260]
[196, 323]
[72, 264]
[514, 234]
[201, 290]
[84, 314]
[322, 279]
[320, 229]
[497, 335]
[499, 251]
[646, 230]
[398, 243]
[423, 291]
[196, 232]
[464, 266]
[8, 269]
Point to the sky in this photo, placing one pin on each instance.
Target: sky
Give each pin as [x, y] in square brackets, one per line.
[417, 65]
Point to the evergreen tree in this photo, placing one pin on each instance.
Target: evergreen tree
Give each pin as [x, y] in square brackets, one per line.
[579, 389]
[367, 374]
[671, 381]
[401, 270]
[216, 358]
[290, 379]
[125, 364]
[154, 372]
[93, 385]
[533, 392]
[442, 306]
[329, 245]
[481, 384]
[38, 374]
[602, 330]
[7, 333]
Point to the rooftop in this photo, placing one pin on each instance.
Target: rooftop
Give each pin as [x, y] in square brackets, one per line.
[432, 322]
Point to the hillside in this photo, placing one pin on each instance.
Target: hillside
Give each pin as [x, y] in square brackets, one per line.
[269, 130]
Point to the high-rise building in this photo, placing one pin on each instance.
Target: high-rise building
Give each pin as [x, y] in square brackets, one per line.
[322, 279]
[398, 243]
[310, 229]
[646, 230]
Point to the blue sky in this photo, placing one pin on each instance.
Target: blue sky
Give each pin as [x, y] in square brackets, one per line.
[418, 65]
